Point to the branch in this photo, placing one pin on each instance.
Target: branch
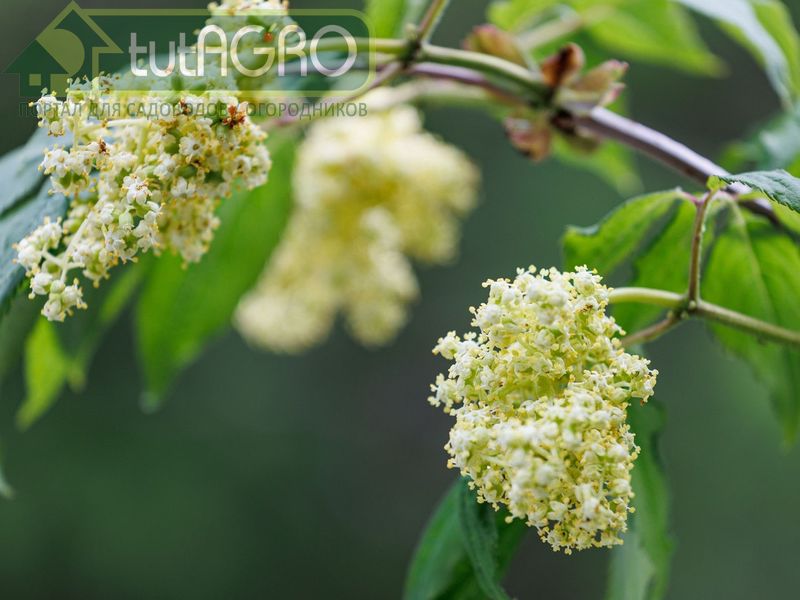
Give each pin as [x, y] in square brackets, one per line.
[531, 90]
[650, 142]
[682, 308]
[761, 329]
[664, 149]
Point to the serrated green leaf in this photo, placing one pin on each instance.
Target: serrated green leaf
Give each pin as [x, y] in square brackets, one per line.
[778, 185]
[442, 567]
[663, 265]
[742, 21]
[755, 270]
[640, 568]
[389, 17]
[607, 244]
[182, 308]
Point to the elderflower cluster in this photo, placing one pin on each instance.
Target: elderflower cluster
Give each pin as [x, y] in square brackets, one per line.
[540, 398]
[371, 194]
[147, 178]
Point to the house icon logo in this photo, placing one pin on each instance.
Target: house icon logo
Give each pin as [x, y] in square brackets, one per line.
[68, 48]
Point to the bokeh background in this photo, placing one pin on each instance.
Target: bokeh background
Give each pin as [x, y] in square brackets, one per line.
[311, 477]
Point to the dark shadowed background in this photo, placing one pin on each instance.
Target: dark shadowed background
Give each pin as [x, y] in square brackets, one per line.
[311, 477]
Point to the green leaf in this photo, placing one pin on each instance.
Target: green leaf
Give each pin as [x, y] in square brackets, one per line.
[663, 265]
[182, 308]
[517, 15]
[46, 368]
[640, 568]
[443, 566]
[384, 15]
[755, 270]
[778, 185]
[389, 17]
[607, 244]
[19, 171]
[479, 535]
[767, 40]
[25, 216]
[611, 162]
[60, 354]
[657, 31]
[777, 20]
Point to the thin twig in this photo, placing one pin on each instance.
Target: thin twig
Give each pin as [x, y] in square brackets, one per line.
[467, 77]
[431, 19]
[488, 65]
[653, 332]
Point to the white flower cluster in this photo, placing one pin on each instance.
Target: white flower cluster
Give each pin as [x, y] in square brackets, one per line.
[145, 178]
[148, 176]
[540, 398]
[370, 194]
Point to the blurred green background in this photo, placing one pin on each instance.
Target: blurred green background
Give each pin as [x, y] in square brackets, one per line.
[312, 477]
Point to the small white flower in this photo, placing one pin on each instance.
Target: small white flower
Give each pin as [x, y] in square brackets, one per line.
[40, 283]
[191, 147]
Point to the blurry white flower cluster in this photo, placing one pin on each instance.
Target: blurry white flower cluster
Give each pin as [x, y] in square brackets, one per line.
[370, 194]
[144, 178]
[540, 396]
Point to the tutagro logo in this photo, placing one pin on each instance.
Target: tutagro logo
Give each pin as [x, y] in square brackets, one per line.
[274, 52]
